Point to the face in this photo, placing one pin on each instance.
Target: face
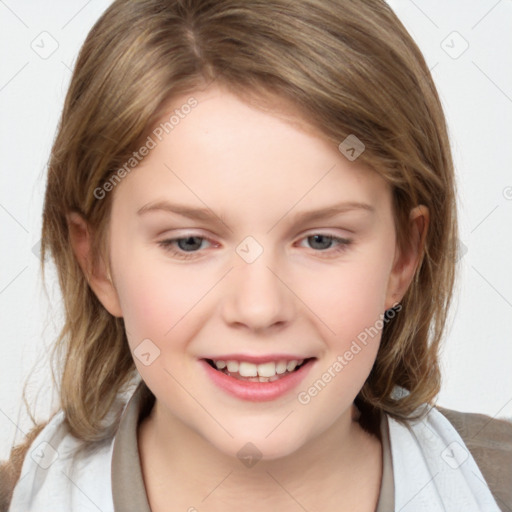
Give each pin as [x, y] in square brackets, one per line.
[256, 277]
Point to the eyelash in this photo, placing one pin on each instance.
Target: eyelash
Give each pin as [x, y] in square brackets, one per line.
[343, 244]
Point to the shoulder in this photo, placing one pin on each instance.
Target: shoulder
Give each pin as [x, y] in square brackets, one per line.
[481, 431]
[63, 471]
[490, 442]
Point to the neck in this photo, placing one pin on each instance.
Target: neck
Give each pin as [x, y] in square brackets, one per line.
[179, 462]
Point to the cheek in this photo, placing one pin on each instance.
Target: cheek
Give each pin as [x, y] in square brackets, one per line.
[349, 301]
[351, 295]
[350, 306]
[160, 300]
[152, 297]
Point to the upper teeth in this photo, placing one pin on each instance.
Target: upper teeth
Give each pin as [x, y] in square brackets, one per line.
[270, 369]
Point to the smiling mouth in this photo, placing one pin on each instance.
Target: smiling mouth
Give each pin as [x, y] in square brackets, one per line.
[258, 378]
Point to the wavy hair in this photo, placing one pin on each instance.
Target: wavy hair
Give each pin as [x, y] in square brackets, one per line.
[349, 67]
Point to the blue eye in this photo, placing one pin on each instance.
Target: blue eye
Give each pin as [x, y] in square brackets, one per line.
[190, 243]
[188, 247]
[343, 243]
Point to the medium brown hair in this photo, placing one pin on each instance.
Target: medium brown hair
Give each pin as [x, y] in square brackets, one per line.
[349, 67]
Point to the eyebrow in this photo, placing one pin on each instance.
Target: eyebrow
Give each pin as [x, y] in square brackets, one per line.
[207, 215]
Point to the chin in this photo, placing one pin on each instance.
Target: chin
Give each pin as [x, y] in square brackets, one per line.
[257, 444]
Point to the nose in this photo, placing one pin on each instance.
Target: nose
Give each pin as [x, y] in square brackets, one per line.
[256, 296]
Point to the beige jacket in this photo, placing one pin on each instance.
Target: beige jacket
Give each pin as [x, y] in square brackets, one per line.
[490, 443]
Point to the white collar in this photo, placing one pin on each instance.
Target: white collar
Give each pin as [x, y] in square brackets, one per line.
[433, 471]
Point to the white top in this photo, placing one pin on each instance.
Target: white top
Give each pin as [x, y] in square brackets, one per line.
[433, 471]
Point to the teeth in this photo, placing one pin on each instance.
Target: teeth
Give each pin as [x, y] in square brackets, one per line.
[267, 369]
[291, 365]
[280, 367]
[247, 369]
[264, 372]
[232, 366]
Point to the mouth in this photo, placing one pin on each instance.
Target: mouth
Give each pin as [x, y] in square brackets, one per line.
[257, 382]
[265, 372]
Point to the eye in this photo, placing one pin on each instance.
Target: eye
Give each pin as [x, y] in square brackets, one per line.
[323, 242]
[187, 246]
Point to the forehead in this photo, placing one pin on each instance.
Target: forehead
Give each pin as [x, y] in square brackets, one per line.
[229, 151]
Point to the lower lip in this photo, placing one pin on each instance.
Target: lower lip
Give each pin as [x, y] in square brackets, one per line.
[257, 391]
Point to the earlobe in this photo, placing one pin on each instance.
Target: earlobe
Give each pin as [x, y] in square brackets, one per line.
[97, 275]
[406, 263]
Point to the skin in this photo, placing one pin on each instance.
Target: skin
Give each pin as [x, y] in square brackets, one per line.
[255, 170]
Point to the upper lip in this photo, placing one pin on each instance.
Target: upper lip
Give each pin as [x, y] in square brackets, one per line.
[257, 359]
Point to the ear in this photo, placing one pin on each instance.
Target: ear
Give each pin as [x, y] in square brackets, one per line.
[98, 277]
[405, 264]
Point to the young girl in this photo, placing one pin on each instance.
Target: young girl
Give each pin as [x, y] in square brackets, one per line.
[288, 358]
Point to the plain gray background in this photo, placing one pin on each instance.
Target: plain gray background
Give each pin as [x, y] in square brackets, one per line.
[466, 45]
